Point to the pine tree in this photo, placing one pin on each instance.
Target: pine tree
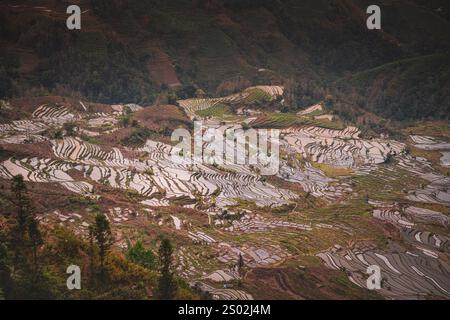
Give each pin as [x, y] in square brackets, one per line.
[241, 266]
[139, 255]
[101, 233]
[35, 238]
[166, 284]
[24, 234]
[19, 231]
[91, 253]
[19, 189]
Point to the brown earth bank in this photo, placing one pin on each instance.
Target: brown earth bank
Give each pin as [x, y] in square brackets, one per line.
[303, 282]
[161, 68]
[26, 105]
[40, 149]
[44, 196]
[160, 117]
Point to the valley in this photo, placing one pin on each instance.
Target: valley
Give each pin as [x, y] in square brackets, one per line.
[224, 150]
[339, 203]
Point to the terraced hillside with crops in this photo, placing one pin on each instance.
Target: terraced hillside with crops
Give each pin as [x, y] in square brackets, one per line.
[342, 200]
[95, 170]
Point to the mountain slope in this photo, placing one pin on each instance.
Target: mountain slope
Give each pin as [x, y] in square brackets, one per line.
[133, 50]
[409, 88]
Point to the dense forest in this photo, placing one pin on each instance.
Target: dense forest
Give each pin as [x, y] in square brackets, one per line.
[315, 48]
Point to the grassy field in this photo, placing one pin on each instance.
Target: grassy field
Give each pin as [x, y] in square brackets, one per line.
[218, 111]
[433, 156]
[387, 184]
[283, 120]
[257, 95]
[429, 128]
[332, 172]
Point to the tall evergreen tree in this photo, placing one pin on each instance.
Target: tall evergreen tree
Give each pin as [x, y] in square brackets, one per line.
[166, 284]
[18, 235]
[23, 235]
[241, 266]
[101, 233]
[22, 202]
[35, 239]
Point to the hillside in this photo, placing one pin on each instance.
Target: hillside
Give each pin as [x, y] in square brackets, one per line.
[225, 149]
[411, 88]
[224, 46]
[338, 198]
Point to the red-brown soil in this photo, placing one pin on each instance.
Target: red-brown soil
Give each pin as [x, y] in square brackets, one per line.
[22, 106]
[41, 150]
[161, 68]
[162, 116]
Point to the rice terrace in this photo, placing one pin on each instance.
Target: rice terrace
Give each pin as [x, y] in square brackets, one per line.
[88, 132]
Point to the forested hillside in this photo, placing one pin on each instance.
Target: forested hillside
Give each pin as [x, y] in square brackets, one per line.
[137, 51]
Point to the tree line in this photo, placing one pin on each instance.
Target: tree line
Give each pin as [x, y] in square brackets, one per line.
[33, 259]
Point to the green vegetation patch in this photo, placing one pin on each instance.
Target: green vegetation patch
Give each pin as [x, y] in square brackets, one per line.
[219, 111]
[257, 94]
[138, 137]
[332, 172]
[282, 120]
